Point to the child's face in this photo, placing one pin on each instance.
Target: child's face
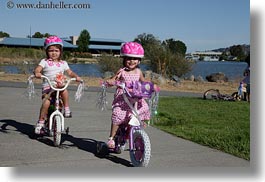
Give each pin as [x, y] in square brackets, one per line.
[131, 63]
[54, 53]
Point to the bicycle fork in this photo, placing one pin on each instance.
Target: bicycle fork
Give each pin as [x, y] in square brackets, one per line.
[56, 112]
[131, 139]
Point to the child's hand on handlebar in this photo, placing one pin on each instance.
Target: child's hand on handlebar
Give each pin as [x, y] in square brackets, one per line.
[110, 82]
[156, 88]
[38, 75]
[78, 79]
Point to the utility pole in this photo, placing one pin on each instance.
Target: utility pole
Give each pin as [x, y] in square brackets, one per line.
[30, 36]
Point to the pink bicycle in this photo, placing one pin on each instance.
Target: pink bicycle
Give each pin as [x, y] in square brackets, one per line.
[133, 131]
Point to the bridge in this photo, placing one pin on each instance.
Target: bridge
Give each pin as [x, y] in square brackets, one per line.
[204, 56]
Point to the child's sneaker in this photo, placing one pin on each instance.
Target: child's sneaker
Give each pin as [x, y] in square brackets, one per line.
[67, 114]
[38, 128]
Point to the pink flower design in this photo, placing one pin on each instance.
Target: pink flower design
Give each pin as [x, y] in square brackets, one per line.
[50, 62]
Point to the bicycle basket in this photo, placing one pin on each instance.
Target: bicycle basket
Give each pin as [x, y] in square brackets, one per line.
[140, 89]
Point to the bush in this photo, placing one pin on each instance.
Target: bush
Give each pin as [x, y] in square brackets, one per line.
[82, 54]
[30, 53]
[109, 63]
[166, 63]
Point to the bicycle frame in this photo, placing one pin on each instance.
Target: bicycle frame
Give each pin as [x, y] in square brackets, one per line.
[57, 99]
[139, 142]
[135, 121]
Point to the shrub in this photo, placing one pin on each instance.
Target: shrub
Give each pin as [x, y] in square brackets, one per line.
[109, 63]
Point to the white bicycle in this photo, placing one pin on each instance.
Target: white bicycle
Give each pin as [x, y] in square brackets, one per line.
[54, 125]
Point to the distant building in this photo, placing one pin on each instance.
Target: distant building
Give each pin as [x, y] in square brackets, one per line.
[191, 57]
[207, 55]
[29, 42]
[99, 45]
[96, 45]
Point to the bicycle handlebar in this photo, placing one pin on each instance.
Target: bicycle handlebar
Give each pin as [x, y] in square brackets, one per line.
[116, 83]
[51, 85]
[139, 92]
[122, 85]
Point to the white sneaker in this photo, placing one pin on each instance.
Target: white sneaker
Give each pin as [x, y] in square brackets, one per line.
[68, 114]
[38, 128]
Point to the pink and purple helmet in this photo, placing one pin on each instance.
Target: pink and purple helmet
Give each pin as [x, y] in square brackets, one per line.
[52, 40]
[132, 49]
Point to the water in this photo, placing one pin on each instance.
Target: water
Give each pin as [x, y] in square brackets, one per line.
[92, 69]
[10, 69]
[233, 70]
[81, 69]
[86, 69]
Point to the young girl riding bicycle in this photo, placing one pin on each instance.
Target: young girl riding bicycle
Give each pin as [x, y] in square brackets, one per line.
[53, 67]
[132, 52]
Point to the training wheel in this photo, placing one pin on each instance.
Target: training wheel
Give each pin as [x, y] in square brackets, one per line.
[102, 149]
[67, 131]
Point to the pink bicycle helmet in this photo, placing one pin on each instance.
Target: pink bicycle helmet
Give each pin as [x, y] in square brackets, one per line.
[52, 40]
[132, 49]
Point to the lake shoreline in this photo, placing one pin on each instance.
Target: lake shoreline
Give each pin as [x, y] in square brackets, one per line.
[170, 85]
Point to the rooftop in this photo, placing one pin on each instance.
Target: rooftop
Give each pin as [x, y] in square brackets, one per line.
[32, 42]
[95, 43]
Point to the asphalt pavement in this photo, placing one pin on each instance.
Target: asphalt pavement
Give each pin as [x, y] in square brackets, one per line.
[89, 125]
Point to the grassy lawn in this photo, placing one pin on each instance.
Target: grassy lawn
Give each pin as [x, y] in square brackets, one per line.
[223, 125]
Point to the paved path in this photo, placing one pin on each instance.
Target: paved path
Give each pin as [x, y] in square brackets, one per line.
[88, 125]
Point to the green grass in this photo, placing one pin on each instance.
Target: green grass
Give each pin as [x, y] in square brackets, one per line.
[223, 125]
[6, 52]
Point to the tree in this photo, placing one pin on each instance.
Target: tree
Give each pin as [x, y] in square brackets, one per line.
[178, 66]
[109, 63]
[83, 41]
[167, 58]
[40, 35]
[46, 35]
[37, 35]
[168, 64]
[4, 34]
[175, 46]
[148, 41]
[158, 57]
[237, 51]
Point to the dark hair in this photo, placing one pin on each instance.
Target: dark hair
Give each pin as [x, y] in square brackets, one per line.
[124, 62]
[57, 46]
[246, 72]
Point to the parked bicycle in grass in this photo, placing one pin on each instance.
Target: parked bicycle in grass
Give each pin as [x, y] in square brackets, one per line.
[215, 94]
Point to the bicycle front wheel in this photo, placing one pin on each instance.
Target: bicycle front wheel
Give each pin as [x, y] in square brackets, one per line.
[141, 152]
[57, 130]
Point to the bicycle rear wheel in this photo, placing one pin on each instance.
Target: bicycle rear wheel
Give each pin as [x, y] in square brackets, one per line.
[141, 152]
[57, 130]
[211, 94]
